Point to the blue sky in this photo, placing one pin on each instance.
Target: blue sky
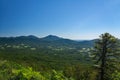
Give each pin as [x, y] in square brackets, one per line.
[74, 19]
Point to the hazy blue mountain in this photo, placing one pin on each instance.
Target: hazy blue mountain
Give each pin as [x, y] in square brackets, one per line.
[51, 38]
[48, 41]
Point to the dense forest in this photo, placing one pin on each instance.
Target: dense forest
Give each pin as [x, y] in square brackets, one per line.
[55, 58]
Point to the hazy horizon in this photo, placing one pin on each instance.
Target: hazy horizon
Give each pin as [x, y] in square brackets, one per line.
[72, 19]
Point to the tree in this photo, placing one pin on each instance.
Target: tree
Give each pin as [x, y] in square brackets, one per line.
[106, 53]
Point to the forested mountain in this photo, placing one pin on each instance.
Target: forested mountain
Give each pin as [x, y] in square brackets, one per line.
[48, 41]
[51, 55]
[51, 58]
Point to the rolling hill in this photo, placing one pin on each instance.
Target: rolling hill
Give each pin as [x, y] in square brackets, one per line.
[45, 42]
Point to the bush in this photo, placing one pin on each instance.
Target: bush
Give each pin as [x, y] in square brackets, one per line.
[13, 71]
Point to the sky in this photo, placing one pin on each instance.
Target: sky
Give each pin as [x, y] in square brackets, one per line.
[73, 19]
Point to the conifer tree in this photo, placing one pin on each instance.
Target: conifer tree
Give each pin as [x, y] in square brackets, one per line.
[106, 53]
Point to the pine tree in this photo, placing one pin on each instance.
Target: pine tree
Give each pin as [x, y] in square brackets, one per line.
[106, 53]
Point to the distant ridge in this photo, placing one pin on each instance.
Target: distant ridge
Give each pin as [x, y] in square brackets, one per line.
[48, 41]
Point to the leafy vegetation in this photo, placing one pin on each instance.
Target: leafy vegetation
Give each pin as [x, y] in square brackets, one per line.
[54, 58]
[13, 71]
[107, 54]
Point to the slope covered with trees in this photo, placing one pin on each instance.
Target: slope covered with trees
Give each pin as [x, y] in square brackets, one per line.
[49, 41]
[54, 58]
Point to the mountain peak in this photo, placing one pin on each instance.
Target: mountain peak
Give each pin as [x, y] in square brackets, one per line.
[51, 38]
[32, 36]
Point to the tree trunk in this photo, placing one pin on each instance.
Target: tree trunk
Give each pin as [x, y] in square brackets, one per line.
[102, 77]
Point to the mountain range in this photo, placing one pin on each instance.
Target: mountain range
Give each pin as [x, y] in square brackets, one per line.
[48, 41]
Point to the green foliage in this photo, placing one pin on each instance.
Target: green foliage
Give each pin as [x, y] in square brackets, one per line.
[69, 71]
[61, 59]
[43, 59]
[12, 71]
[57, 76]
[27, 74]
[115, 75]
[79, 72]
[107, 54]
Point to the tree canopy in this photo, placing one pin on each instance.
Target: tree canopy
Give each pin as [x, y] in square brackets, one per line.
[107, 53]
